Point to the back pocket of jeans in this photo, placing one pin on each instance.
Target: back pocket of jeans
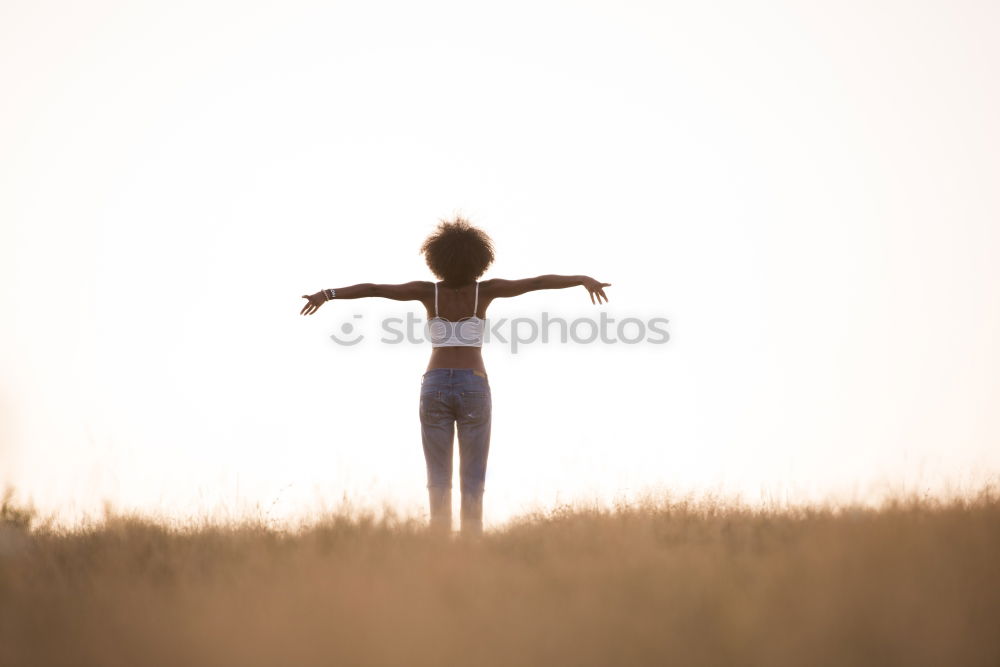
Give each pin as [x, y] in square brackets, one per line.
[475, 405]
[434, 405]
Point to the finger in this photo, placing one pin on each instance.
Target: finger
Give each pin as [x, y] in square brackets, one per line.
[604, 295]
[605, 284]
[304, 309]
[591, 296]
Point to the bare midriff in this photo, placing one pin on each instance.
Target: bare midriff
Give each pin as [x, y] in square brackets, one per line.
[457, 357]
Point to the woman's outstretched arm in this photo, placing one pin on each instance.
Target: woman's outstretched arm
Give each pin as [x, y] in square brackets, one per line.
[413, 291]
[498, 288]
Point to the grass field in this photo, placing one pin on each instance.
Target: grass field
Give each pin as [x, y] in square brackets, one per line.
[663, 583]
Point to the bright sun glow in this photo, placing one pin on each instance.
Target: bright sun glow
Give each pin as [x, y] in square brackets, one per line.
[808, 195]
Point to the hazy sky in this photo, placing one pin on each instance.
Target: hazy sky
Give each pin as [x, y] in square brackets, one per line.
[806, 191]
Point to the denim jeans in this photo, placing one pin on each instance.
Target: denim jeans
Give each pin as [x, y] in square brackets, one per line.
[450, 396]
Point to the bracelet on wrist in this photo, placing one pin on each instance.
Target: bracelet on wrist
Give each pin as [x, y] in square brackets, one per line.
[329, 293]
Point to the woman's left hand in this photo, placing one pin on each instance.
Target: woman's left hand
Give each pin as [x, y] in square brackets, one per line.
[315, 301]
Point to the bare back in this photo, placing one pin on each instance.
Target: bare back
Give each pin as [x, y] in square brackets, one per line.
[456, 303]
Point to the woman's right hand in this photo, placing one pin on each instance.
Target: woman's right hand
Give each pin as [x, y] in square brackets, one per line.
[595, 288]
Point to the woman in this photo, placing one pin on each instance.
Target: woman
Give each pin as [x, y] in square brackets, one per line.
[455, 389]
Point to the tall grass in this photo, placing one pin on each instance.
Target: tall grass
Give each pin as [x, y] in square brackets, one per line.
[915, 582]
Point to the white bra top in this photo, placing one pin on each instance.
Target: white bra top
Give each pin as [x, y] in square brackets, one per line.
[467, 332]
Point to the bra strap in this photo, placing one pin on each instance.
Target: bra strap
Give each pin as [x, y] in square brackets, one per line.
[476, 307]
[435, 299]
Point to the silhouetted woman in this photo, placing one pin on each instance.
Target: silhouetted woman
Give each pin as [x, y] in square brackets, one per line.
[455, 388]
